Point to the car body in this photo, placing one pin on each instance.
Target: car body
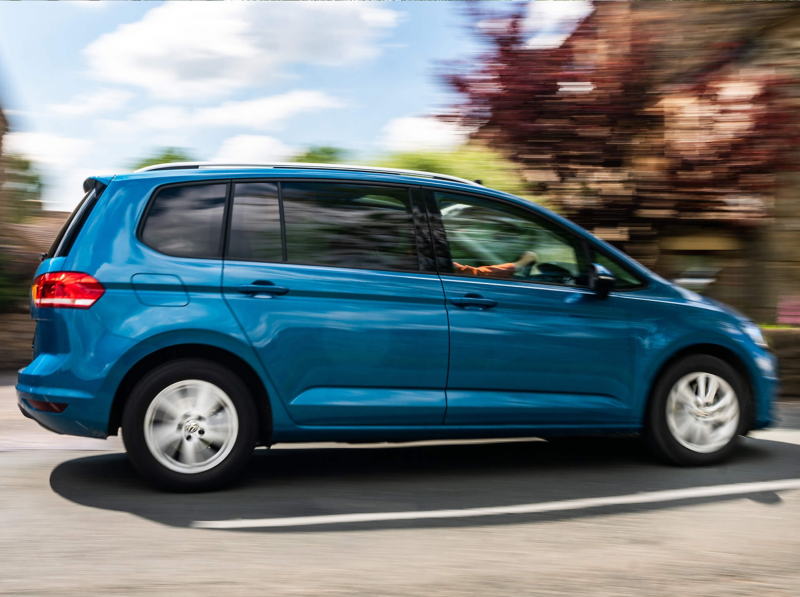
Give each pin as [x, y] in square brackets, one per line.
[383, 343]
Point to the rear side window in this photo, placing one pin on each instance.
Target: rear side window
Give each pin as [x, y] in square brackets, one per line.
[347, 225]
[255, 223]
[186, 221]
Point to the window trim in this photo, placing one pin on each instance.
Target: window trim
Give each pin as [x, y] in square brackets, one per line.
[154, 196]
[414, 203]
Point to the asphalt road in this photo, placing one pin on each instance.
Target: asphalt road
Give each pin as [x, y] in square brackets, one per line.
[76, 520]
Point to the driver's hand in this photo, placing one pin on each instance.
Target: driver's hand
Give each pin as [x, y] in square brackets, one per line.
[527, 258]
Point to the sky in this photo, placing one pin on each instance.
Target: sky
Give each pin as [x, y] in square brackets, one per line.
[91, 87]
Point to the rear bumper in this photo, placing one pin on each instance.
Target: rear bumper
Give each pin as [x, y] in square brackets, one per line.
[75, 420]
[85, 414]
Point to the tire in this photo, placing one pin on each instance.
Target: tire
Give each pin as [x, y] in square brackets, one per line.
[190, 425]
[686, 431]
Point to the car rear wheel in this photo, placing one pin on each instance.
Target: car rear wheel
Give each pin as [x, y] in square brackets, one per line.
[190, 425]
[699, 408]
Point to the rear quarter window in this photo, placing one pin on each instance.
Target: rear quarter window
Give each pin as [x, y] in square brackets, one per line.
[186, 221]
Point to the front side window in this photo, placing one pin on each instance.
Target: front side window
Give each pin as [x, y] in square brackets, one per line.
[495, 240]
[186, 221]
[349, 225]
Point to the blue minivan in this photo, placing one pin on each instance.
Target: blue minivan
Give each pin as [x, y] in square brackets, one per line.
[206, 309]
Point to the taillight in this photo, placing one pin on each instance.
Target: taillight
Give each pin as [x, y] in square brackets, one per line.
[72, 290]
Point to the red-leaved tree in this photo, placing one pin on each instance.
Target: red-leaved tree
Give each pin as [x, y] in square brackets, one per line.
[613, 134]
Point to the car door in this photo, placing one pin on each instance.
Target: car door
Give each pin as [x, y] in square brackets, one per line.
[530, 344]
[335, 286]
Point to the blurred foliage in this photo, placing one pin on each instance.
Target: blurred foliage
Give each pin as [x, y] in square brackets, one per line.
[321, 154]
[166, 155]
[13, 290]
[472, 161]
[21, 203]
[22, 189]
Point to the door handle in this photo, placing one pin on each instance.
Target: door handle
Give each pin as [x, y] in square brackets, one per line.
[265, 288]
[474, 300]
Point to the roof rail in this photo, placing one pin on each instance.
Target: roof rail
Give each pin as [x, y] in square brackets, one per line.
[305, 166]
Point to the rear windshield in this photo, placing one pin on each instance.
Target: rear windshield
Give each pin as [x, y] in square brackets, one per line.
[72, 227]
[63, 232]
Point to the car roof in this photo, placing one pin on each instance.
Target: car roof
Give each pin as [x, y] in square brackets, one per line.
[196, 171]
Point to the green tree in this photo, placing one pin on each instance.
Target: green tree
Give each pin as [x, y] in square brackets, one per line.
[20, 202]
[472, 161]
[321, 154]
[166, 155]
[22, 189]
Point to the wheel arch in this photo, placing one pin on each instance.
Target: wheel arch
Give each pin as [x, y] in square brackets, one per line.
[710, 349]
[194, 350]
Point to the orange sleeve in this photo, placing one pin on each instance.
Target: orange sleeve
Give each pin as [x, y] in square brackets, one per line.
[506, 270]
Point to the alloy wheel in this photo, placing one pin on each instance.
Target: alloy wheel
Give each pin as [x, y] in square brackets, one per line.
[703, 412]
[191, 426]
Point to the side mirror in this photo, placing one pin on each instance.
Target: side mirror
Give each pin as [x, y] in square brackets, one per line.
[601, 280]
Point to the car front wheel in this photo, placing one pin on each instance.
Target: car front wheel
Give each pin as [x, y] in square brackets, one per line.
[698, 410]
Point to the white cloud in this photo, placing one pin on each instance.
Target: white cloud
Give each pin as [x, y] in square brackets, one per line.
[103, 100]
[193, 51]
[90, 4]
[49, 150]
[60, 161]
[553, 22]
[413, 133]
[263, 113]
[253, 149]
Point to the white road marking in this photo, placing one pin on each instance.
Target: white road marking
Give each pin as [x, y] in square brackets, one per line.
[560, 506]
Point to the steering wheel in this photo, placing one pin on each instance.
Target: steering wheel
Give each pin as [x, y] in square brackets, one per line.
[525, 272]
[553, 271]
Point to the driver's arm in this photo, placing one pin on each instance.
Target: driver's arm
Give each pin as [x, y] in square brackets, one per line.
[505, 270]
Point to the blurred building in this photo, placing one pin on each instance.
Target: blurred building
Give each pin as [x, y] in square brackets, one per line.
[25, 242]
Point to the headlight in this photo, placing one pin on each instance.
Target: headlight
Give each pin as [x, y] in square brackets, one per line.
[755, 334]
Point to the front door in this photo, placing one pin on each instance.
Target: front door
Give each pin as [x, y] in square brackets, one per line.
[530, 344]
[345, 309]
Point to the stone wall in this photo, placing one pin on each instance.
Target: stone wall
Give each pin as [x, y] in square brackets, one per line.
[786, 344]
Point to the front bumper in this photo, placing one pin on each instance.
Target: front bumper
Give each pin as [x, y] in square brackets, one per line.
[765, 388]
